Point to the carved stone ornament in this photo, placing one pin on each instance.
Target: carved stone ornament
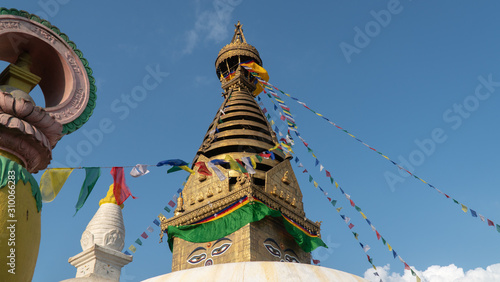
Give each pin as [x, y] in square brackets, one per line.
[64, 101]
[40, 55]
[114, 239]
[87, 240]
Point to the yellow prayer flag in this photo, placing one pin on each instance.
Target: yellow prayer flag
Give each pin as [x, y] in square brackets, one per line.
[351, 135]
[336, 184]
[287, 147]
[464, 208]
[338, 209]
[418, 279]
[232, 163]
[314, 155]
[275, 147]
[252, 160]
[52, 181]
[261, 72]
[315, 184]
[132, 248]
[389, 246]
[186, 168]
[423, 180]
[272, 122]
[363, 215]
[385, 157]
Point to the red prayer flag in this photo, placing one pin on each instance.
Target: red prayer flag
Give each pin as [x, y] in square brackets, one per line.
[305, 143]
[352, 203]
[351, 225]
[329, 199]
[316, 261]
[265, 156]
[407, 267]
[490, 223]
[171, 203]
[120, 188]
[305, 170]
[282, 117]
[144, 235]
[328, 173]
[447, 196]
[378, 235]
[203, 169]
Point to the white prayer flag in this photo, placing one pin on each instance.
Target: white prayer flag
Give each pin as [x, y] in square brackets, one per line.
[139, 170]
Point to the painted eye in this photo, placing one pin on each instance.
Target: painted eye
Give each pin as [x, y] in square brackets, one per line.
[275, 252]
[197, 258]
[290, 258]
[220, 250]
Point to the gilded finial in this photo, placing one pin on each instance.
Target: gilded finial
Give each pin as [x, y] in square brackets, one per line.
[238, 34]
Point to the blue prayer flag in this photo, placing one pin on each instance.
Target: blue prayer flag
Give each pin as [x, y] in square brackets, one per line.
[173, 162]
[473, 213]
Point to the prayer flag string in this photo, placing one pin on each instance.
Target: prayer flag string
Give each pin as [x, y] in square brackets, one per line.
[462, 206]
[345, 218]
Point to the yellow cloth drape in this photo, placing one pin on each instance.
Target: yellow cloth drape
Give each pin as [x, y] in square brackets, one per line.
[261, 72]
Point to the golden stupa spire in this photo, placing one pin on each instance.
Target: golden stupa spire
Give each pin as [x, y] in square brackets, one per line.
[239, 130]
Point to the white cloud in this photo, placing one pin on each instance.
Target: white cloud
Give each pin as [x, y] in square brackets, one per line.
[436, 273]
[211, 24]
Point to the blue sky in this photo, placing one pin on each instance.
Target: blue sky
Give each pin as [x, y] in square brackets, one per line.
[392, 83]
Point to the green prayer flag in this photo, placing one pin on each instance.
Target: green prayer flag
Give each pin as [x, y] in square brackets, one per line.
[258, 158]
[383, 240]
[334, 202]
[166, 208]
[309, 150]
[310, 178]
[173, 169]
[456, 202]
[92, 174]
[498, 228]
[331, 180]
[138, 242]
[357, 208]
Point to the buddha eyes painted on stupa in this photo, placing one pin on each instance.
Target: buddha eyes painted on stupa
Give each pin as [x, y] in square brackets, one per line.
[275, 250]
[207, 254]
